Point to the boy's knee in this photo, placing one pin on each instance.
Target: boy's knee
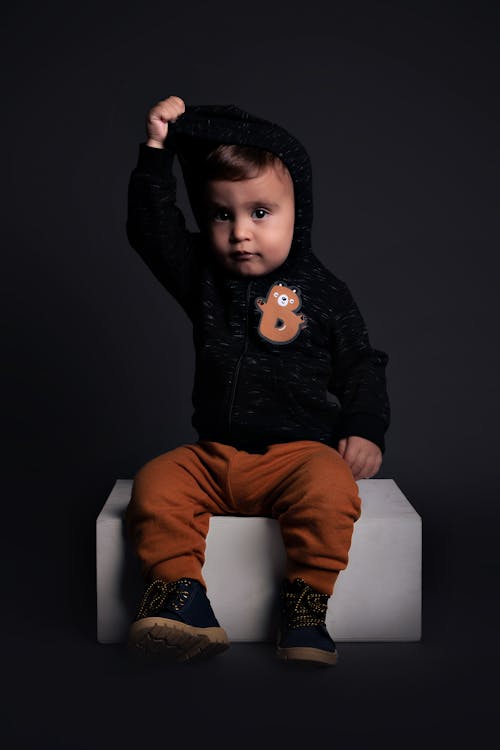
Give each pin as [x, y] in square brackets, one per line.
[330, 464]
[146, 487]
[154, 470]
[144, 475]
[324, 452]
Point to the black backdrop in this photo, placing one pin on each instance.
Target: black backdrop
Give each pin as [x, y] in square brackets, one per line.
[397, 104]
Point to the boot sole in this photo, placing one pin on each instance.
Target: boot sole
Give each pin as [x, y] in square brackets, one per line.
[306, 654]
[175, 640]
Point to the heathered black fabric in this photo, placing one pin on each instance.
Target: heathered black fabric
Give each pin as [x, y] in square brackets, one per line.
[249, 391]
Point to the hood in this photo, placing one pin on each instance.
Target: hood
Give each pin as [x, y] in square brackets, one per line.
[203, 126]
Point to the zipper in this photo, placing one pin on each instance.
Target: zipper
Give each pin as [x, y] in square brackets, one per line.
[240, 358]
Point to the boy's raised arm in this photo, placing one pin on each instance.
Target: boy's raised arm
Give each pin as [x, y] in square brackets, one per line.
[156, 227]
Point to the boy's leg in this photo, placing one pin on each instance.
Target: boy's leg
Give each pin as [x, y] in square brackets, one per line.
[173, 497]
[317, 507]
[310, 489]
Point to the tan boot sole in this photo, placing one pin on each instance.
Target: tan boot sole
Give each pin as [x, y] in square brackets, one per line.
[176, 640]
[307, 654]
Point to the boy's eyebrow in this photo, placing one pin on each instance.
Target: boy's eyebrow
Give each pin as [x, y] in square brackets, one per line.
[271, 204]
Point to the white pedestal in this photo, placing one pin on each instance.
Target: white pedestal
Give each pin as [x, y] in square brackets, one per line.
[377, 598]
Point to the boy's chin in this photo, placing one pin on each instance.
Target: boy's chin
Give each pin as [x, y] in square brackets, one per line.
[247, 269]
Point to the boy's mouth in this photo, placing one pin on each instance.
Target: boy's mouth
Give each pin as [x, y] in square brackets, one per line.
[242, 256]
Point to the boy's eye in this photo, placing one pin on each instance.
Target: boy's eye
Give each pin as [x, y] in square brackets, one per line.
[222, 214]
[261, 211]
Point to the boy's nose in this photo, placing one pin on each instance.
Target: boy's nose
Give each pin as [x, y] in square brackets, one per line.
[240, 230]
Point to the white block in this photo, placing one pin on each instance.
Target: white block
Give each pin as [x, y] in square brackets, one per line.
[377, 598]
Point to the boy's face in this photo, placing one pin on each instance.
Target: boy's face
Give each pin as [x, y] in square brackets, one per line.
[250, 222]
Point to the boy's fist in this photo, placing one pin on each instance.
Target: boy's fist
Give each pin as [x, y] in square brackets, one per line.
[363, 456]
[167, 110]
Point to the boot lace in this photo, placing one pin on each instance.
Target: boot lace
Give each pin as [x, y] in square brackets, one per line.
[159, 593]
[303, 606]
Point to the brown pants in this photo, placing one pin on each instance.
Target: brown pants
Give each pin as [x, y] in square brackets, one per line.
[305, 484]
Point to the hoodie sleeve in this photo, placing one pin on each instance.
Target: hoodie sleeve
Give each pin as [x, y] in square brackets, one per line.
[156, 227]
[358, 379]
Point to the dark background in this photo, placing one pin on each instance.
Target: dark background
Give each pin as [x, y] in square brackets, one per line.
[397, 104]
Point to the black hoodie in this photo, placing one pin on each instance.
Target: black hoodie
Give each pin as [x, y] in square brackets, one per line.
[279, 357]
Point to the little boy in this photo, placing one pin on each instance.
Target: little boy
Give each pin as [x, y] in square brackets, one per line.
[275, 332]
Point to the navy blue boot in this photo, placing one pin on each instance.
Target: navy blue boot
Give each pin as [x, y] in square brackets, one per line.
[175, 619]
[303, 636]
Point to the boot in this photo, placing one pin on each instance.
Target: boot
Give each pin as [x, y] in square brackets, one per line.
[175, 619]
[303, 636]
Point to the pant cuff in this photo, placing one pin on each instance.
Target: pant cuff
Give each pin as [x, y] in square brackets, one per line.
[320, 580]
[172, 570]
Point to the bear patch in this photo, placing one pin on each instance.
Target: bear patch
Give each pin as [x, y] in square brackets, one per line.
[279, 322]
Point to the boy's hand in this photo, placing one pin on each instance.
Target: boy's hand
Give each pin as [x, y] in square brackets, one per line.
[167, 110]
[363, 456]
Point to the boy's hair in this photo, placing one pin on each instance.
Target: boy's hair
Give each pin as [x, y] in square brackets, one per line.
[231, 161]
